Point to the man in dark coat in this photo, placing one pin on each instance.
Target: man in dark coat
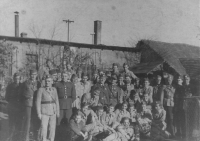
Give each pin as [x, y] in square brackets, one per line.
[29, 90]
[14, 106]
[66, 95]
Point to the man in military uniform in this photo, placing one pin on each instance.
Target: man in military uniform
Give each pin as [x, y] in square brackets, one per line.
[14, 106]
[67, 95]
[128, 90]
[104, 91]
[54, 75]
[157, 89]
[116, 95]
[128, 72]
[47, 106]
[167, 100]
[29, 90]
[115, 70]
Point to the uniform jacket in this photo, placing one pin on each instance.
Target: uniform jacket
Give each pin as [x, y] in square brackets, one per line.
[179, 97]
[104, 97]
[66, 89]
[13, 95]
[116, 94]
[128, 93]
[47, 95]
[157, 90]
[167, 95]
[29, 91]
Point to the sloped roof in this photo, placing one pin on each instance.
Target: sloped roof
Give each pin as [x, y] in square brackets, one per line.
[146, 67]
[192, 66]
[171, 52]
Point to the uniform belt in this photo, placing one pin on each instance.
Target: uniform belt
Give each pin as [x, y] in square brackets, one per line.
[65, 97]
[47, 102]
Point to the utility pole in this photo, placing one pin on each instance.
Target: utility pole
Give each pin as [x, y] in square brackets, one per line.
[68, 22]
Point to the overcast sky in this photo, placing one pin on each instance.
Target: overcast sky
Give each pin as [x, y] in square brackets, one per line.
[124, 22]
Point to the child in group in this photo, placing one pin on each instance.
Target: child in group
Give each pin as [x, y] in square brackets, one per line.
[124, 132]
[144, 120]
[158, 127]
[120, 113]
[147, 100]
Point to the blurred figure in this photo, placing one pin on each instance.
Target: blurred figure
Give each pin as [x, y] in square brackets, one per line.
[115, 70]
[147, 89]
[13, 96]
[128, 72]
[121, 80]
[157, 89]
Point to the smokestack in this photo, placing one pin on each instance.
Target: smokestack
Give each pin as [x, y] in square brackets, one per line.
[16, 24]
[97, 32]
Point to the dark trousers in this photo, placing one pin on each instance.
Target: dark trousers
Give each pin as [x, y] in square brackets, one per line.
[169, 119]
[26, 123]
[180, 122]
[65, 115]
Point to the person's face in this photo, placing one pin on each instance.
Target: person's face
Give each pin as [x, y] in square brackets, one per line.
[33, 76]
[128, 80]
[48, 82]
[115, 68]
[49, 64]
[59, 76]
[85, 109]
[17, 79]
[95, 75]
[79, 74]
[187, 81]
[124, 106]
[144, 107]
[108, 74]
[114, 82]
[158, 80]
[169, 80]
[126, 123]
[75, 80]
[126, 67]
[69, 66]
[111, 109]
[132, 108]
[65, 77]
[137, 81]
[55, 77]
[78, 118]
[146, 97]
[121, 79]
[85, 78]
[157, 107]
[102, 80]
[180, 81]
[146, 83]
[100, 112]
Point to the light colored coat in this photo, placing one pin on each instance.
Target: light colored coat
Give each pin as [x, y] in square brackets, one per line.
[45, 94]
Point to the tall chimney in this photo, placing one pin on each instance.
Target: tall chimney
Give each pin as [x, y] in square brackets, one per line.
[16, 24]
[97, 32]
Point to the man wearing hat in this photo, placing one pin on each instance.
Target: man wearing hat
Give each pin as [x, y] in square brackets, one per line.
[67, 95]
[29, 90]
[189, 90]
[127, 71]
[128, 89]
[179, 108]
[157, 89]
[54, 75]
[115, 69]
[147, 89]
[116, 94]
[47, 106]
[167, 100]
[104, 91]
[14, 106]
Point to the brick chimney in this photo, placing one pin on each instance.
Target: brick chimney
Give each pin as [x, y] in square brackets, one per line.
[97, 32]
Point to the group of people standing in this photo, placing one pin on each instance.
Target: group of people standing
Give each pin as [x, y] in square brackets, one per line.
[110, 106]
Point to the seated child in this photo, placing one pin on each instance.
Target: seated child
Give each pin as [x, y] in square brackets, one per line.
[158, 131]
[120, 113]
[77, 127]
[148, 101]
[124, 132]
[91, 99]
[109, 118]
[144, 119]
[133, 113]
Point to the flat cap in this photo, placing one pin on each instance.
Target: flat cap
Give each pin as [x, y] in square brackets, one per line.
[16, 74]
[96, 92]
[115, 64]
[53, 72]
[125, 64]
[48, 77]
[180, 77]
[33, 71]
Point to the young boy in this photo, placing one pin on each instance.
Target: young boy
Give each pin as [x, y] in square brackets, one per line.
[158, 127]
[124, 132]
[121, 113]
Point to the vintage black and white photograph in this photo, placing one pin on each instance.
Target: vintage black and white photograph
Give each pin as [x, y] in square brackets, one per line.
[99, 70]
